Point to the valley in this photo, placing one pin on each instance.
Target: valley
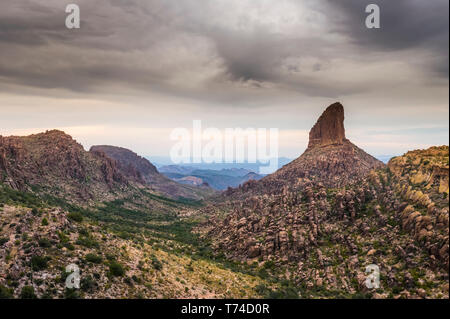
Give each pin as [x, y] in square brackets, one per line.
[309, 230]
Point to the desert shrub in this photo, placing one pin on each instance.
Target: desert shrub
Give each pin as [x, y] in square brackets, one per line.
[87, 241]
[27, 293]
[38, 263]
[75, 216]
[93, 258]
[71, 293]
[88, 284]
[156, 263]
[128, 281]
[3, 241]
[5, 292]
[136, 279]
[262, 273]
[44, 222]
[44, 242]
[69, 246]
[261, 290]
[116, 269]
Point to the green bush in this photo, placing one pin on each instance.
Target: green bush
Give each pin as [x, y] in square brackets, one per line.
[93, 258]
[116, 269]
[5, 292]
[44, 222]
[44, 242]
[38, 263]
[71, 293]
[27, 293]
[87, 241]
[156, 263]
[3, 241]
[75, 216]
[88, 284]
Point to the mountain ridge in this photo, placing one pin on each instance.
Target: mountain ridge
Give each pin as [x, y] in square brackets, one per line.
[330, 159]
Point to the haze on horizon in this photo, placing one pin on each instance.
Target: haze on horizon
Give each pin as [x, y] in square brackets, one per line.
[135, 70]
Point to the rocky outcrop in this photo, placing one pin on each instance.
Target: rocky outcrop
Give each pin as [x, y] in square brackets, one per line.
[330, 160]
[329, 128]
[54, 162]
[328, 214]
[129, 162]
[140, 170]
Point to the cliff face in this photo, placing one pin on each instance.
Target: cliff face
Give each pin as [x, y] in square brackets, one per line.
[139, 169]
[130, 163]
[329, 128]
[55, 162]
[330, 160]
[328, 214]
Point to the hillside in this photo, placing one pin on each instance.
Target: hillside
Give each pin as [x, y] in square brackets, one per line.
[309, 230]
[139, 169]
[54, 163]
[111, 217]
[122, 252]
[320, 220]
[330, 159]
[217, 179]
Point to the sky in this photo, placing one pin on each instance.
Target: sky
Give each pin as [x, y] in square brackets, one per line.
[136, 69]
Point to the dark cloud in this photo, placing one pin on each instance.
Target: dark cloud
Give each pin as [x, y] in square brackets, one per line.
[213, 50]
[405, 24]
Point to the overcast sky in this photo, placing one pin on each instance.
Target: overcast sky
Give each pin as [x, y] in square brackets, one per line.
[136, 69]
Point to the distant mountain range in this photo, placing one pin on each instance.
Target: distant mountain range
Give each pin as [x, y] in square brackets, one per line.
[54, 163]
[218, 179]
[308, 230]
[160, 161]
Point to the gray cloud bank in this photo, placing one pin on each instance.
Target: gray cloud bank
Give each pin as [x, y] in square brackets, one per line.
[222, 51]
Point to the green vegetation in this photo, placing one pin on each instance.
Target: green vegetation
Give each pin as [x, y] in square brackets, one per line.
[27, 292]
[93, 258]
[44, 242]
[39, 263]
[5, 292]
[3, 241]
[116, 269]
[156, 263]
[75, 216]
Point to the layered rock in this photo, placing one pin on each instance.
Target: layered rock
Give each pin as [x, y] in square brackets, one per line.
[329, 128]
[140, 170]
[327, 236]
[131, 164]
[330, 159]
[328, 214]
[54, 162]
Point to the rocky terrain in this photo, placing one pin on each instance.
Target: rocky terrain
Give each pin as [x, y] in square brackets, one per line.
[140, 170]
[308, 230]
[322, 219]
[52, 162]
[217, 179]
[330, 159]
[36, 246]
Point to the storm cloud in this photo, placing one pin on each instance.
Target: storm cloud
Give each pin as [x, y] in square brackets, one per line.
[216, 50]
